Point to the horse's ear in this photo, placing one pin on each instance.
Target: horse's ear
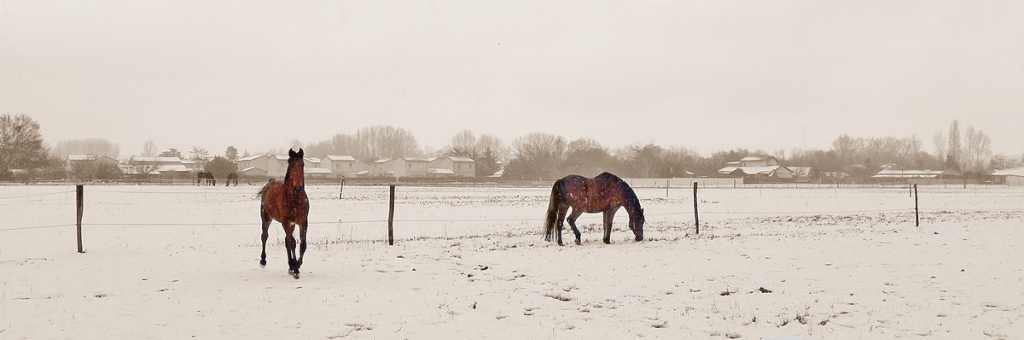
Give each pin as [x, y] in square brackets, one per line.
[291, 153]
[300, 152]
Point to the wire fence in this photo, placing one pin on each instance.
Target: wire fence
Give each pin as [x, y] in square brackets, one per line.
[454, 199]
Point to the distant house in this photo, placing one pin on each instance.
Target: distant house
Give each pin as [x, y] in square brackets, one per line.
[757, 169]
[317, 173]
[801, 174]
[164, 167]
[452, 166]
[345, 166]
[255, 161]
[253, 172]
[276, 165]
[400, 167]
[1013, 177]
[80, 160]
[92, 167]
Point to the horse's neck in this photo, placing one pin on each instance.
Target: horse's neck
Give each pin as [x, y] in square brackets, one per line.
[629, 203]
[293, 180]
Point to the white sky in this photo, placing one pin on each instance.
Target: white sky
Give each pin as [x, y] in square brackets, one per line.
[709, 75]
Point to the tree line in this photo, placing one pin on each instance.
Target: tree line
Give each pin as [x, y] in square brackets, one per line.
[534, 156]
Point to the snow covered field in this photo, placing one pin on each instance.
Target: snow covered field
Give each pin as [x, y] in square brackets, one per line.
[798, 263]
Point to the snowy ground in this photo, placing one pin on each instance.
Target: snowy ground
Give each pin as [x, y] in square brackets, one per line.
[179, 261]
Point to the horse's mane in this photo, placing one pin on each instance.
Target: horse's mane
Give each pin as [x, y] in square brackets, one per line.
[631, 198]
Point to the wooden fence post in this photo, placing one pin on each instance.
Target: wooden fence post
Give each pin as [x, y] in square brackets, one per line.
[391, 218]
[917, 213]
[696, 218]
[78, 199]
[342, 190]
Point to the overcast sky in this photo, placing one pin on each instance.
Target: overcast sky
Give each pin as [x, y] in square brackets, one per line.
[708, 75]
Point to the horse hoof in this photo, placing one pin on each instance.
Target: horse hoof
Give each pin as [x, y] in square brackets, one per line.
[263, 263]
[577, 242]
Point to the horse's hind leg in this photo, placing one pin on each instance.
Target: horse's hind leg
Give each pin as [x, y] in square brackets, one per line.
[560, 220]
[572, 223]
[266, 226]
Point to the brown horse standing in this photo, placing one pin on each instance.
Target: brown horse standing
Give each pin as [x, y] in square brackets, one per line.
[286, 202]
[232, 178]
[604, 193]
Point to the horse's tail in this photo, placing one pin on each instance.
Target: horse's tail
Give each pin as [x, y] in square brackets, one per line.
[263, 190]
[556, 200]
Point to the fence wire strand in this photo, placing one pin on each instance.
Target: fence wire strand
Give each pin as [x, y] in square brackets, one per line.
[448, 220]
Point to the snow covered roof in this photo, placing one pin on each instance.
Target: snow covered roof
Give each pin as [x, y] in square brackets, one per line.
[750, 170]
[341, 158]
[246, 159]
[146, 159]
[893, 173]
[253, 170]
[461, 159]
[81, 157]
[171, 168]
[1018, 171]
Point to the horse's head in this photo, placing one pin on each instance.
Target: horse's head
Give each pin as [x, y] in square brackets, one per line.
[296, 164]
[637, 225]
[295, 158]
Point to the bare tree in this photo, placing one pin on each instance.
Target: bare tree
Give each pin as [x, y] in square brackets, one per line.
[847, 148]
[977, 150]
[538, 156]
[199, 156]
[463, 144]
[940, 145]
[88, 146]
[953, 152]
[339, 144]
[149, 149]
[494, 144]
[646, 160]
[587, 157]
[377, 142]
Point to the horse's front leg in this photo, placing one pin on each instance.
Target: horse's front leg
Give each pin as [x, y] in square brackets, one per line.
[266, 227]
[608, 216]
[289, 244]
[572, 223]
[302, 246]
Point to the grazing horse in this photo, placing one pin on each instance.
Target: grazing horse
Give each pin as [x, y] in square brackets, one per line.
[604, 193]
[286, 202]
[205, 178]
[232, 178]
